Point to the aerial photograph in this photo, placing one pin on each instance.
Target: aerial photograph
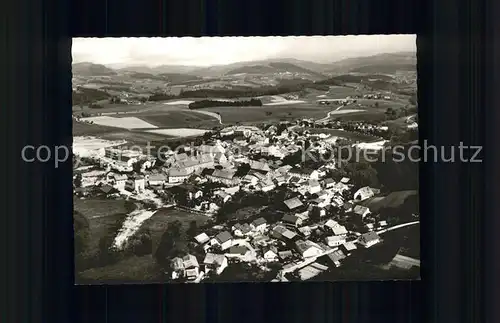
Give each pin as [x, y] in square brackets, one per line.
[245, 159]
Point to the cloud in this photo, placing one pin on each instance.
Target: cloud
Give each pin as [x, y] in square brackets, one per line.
[205, 51]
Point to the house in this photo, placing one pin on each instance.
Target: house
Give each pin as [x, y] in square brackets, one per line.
[202, 238]
[191, 266]
[306, 231]
[241, 230]
[292, 219]
[271, 254]
[284, 169]
[137, 184]
[314, 186]
[328, 183]
[293, 203]
[285, 254]
[211, 150]
[308, 249]
[348, 207]
[187, 192]
[215, 262]
[220, 158]
[316, 212]
[224, 197]
[348, 247]
[224, 176]
[232, 190]
[369, 239]
[157, 179]
[259, 225]
[335, 241]
[336, 257]
[241, 252]
[345, 180]
[330, 224]
[370, 226]
[280, 232]
[118, 181]
[261, 240]
[223, 239]
[267, 186]
[317, 174]
[302, 173]
[194, 164]
[364, 193]
[281, 179]
[259, 166]
[362, 211]
[177, 266]
[323, 195]
[382, 223]
[106, 189]
[339, 230]
[178, 175]
[250, 179]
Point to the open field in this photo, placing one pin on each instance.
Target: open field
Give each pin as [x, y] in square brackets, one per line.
[345, 134]
[261, 114]
[85, 129]
[132, 270]
[179, 132]
[126, 122]
[368, 115]
[179, 118]
[394, 199]
[110, 133]
[102, 216]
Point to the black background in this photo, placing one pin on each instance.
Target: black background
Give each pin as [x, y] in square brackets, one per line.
[459, 202]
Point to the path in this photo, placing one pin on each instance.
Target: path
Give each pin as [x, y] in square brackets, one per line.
[209, 113]
[399, 226]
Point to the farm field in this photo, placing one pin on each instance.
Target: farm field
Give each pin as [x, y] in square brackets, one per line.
[125, 122]
[261, 114]
[86, 129]
[340, 92]
[179, 118]
[344, 134]
[179, 132]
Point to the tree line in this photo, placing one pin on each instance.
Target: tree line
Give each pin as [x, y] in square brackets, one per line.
[214, 103]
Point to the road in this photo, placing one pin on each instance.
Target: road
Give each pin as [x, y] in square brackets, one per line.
[209, 113]
[397, 227]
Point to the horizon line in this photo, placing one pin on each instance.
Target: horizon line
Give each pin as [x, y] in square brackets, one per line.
[127, 65]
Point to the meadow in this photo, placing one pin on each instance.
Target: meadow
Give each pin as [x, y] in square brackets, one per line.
[102, 216]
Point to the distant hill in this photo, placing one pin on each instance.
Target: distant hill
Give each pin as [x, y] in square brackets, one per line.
[167, 77]
[91, 69]
[381, 63]
[263, 67]
[161, 69]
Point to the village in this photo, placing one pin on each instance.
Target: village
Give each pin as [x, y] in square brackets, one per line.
[269, 205]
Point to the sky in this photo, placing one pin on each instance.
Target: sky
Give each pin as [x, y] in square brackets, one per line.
[207, 51]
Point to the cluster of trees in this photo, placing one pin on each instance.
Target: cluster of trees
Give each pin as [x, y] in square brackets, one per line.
[173, 243]
[87, 96]
[392, 113]
[286, 86]
[214, 103]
